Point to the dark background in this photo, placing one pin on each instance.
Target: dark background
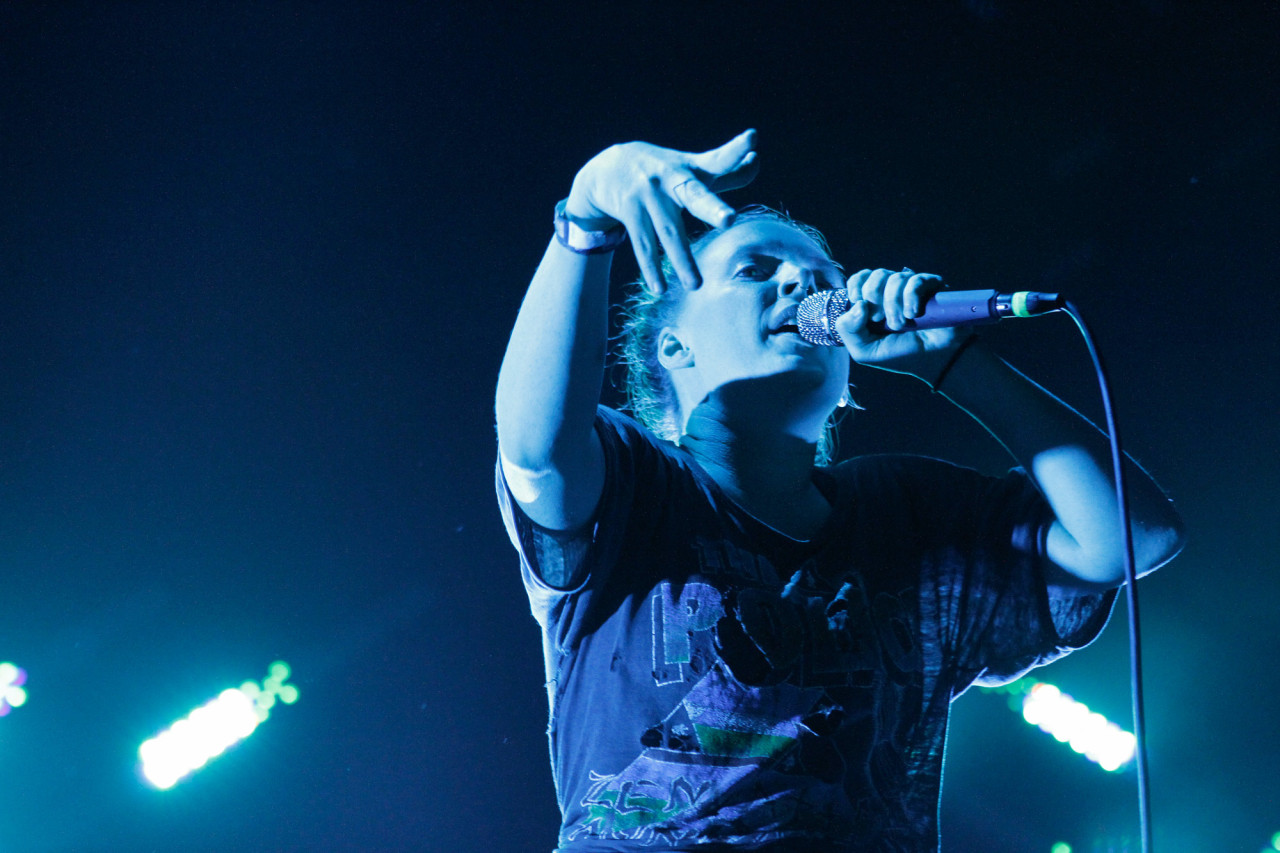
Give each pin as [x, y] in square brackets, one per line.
[257, 266]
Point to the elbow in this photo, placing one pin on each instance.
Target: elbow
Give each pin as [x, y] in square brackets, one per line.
[1156, 546]
[1158, 538]
[1103, 566]
[1153, 547]
[523, 440]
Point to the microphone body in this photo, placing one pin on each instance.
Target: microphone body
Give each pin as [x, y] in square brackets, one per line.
[816, 317]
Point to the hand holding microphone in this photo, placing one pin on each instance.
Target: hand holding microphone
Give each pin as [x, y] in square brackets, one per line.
[816, 317]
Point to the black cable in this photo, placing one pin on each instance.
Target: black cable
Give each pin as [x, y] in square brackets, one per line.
[1131, 582]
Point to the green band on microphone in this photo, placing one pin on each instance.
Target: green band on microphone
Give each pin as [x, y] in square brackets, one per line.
[1019, 304]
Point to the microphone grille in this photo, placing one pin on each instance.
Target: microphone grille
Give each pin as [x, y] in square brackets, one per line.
[816, 317]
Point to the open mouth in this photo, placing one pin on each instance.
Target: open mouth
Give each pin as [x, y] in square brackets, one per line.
[785, 322]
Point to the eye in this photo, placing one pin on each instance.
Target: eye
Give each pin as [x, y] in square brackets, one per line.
[753, 271]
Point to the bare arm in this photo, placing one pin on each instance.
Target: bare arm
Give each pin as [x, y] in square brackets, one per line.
[1067, 456]
[548, 388]
[1070, 460]
[549, 383]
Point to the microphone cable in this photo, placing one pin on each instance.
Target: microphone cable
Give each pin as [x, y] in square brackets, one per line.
[816, 318]
[1131, 579]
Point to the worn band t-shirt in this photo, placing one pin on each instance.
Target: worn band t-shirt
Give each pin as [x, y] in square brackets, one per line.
[714, 682]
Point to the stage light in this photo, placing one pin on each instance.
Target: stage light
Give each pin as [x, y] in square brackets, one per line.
[1275, 841]
[1072, 723]
[12, 693]
[1060, 847]
[211, 729]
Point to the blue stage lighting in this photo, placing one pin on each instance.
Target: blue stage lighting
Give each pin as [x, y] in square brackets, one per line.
[211, 729]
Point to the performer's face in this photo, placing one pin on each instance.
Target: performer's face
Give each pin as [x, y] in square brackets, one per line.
[740, 324]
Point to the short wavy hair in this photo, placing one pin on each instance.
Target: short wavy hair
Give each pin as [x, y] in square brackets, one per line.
[651, 396]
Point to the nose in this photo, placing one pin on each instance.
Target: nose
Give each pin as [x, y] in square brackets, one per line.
[797, 286]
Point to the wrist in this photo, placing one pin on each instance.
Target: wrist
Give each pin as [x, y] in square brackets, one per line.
[581, 212]
[585, 236]
[587, 222]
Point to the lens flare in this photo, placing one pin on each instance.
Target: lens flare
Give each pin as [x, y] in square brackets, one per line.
[1072, 723]
[12, 693]
[214, 727]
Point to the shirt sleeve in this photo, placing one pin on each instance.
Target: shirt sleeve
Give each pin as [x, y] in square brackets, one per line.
[557, 566]
[552, 562]
[990, 612]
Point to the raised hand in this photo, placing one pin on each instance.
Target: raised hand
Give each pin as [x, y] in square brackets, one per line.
[645, 187]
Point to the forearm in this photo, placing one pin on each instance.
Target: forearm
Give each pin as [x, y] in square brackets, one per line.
[550, 380]
[1070, 460]
[549, 383]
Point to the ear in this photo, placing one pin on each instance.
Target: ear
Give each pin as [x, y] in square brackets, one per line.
[673, 353]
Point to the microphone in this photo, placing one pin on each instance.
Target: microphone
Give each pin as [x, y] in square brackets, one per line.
[817, 314]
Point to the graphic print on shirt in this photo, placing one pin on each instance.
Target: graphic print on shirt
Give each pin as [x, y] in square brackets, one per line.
[771, 676]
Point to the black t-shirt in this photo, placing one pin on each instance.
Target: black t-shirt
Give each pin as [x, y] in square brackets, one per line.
[713, 681]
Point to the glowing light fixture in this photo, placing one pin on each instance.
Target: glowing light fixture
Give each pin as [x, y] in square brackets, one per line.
[1060, 847]
[1072, 723]
[211, 729]
[12, 693]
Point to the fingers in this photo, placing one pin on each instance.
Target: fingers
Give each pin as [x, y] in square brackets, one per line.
[917, 291]
[729, 167]
[891, 298]
[655, 225]
[731, 157]
[896, 298]
[644, 243]
[669, 228]
[732, 164]
[742, 174]
[646, 187]
[868, 286]
[855, 326]
[696, 198]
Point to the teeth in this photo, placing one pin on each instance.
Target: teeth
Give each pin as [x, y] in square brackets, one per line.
[787, 323]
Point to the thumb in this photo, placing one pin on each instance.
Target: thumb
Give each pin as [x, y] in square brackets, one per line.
[853, 325]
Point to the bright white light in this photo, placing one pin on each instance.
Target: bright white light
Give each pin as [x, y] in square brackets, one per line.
[12, 693]
[211, 729]
[1071, 722]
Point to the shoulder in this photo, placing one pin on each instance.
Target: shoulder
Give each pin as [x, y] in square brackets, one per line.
[627, 442]
[613, 422]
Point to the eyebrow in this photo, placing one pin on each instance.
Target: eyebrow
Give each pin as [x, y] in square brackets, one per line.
[751, 252]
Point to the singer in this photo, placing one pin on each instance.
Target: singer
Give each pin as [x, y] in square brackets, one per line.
[748, 645]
